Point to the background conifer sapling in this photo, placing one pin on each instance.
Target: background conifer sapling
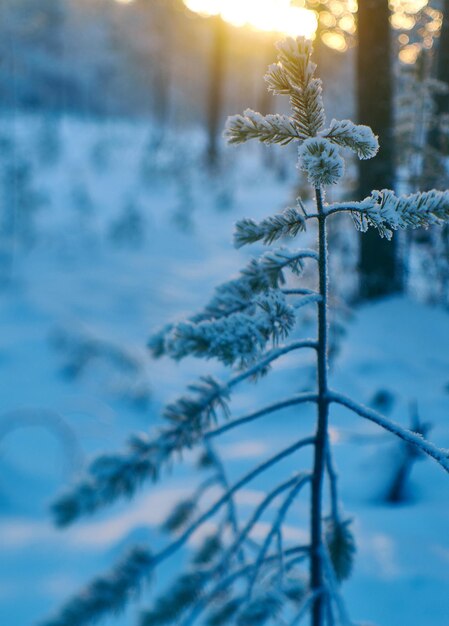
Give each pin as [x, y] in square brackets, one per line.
[232, 579]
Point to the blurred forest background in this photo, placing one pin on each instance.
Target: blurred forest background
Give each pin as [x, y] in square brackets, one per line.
[117, 202]
[174, 66]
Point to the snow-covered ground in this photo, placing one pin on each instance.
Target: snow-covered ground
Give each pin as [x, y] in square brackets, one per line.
[79, 280]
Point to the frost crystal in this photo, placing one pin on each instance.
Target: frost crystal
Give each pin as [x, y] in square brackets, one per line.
[321, 160]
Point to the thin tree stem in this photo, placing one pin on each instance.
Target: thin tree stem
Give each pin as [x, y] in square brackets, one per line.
[321, 437]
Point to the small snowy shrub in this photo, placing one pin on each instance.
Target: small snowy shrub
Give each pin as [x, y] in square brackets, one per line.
[231, 579]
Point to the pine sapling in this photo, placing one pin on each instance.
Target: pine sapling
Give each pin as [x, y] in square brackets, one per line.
[231, 578]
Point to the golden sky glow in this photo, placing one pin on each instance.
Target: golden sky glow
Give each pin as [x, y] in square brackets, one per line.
[336, 19]
[265, 15]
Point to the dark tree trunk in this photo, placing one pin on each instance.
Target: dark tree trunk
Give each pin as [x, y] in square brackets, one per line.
[216, 89]
[379, 266]
[437, 143]
[435, 139]
[443, 50]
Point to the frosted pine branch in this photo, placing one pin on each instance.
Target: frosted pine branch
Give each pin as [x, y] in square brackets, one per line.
[388, 212]
[305, 95]
[156, 343]
[199, 410]
[110, 477]
[266, 128]
[277, 80]
[228, 610]
[307, 107]
[170, 606]
[439, 454]
[260, 275]
[341, 545]
[286, 224]
[215, 508]
[321, 161]
[259, 511]
[106, 594]
[300, 398]
[114, 476]
[262, 609]
[233, 296]
[112, 592]
[295, 59]
[296, 67]
[269, 268]
[345, 207]
[269, 357]
[180, 516]
[359, 139]
[211, 547]
[238, 295]
[240, 337]
[292, 76]
[215, 395]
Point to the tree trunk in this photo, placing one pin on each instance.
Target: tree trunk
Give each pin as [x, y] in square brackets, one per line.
[379, 266]
[216, 84]
[441, 100]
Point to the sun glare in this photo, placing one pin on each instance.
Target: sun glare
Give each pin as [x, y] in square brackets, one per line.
[264, 15]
